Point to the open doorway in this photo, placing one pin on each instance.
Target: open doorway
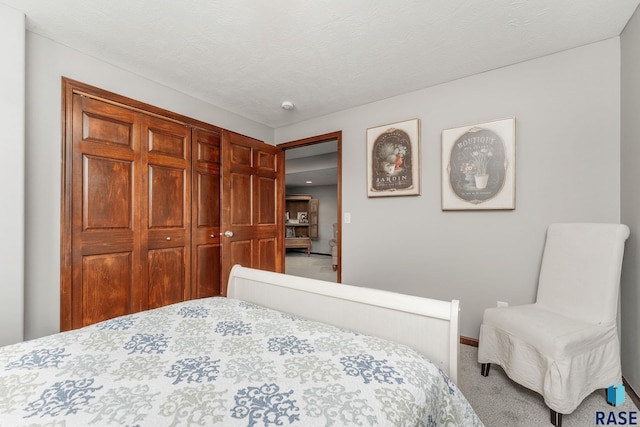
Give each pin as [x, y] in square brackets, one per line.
[313, 207]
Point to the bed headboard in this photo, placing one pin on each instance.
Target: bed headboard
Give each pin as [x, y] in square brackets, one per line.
[426, 325]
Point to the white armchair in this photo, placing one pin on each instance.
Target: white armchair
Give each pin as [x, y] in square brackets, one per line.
[565, 345]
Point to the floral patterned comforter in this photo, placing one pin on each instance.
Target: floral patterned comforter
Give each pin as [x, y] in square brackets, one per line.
[220, 361]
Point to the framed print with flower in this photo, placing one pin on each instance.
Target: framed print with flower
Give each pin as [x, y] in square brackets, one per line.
[393, 159]
[478, 166]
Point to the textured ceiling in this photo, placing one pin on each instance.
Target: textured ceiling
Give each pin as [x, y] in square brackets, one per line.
[312, 165]
[247, 56]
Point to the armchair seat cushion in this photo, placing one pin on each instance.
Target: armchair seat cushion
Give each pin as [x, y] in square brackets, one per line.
[575, 356]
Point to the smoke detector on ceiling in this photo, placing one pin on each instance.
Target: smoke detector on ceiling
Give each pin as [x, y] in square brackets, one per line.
[287, 105]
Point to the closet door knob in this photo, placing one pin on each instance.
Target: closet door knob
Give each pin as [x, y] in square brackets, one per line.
[228, 233]
[168, 238]
[213, 236]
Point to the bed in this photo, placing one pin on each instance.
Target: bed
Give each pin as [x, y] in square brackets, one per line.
[279, 350]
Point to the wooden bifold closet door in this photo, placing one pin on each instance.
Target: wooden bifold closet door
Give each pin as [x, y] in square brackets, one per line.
[105, 212]
[131, 192]
[157, 207]
[144, 209]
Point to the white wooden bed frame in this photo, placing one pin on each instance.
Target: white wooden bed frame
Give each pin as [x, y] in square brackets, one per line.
[427, 325]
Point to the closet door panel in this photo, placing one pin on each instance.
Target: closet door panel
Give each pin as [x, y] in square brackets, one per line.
[103, 213]
[164, 142]
[208, 200]
[107, 124]
[167, 202]
[166, 276]
[165, 212]
[107, 199]
[107, 283]
[205, 207]
[207, 271]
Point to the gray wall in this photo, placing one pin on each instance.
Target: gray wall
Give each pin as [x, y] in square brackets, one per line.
[46, 63]
[630, 198]
[567, 109]
[12, 117]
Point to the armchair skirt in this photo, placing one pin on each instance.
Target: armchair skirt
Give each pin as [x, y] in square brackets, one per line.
[576, 357]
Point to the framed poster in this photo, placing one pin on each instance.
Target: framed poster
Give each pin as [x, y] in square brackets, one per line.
[478, 166]
[393, 159]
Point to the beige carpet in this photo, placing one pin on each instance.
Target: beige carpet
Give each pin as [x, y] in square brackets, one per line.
[499, 402]
[314, 266]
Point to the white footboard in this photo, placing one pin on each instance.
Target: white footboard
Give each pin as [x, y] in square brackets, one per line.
[426, 325]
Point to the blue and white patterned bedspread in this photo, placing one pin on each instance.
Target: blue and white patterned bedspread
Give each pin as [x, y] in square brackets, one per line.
[219, 361]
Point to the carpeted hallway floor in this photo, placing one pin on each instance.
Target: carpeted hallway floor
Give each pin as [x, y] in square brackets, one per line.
[314, 266]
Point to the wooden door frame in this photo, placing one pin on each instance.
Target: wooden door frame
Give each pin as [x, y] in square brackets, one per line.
[318, 139]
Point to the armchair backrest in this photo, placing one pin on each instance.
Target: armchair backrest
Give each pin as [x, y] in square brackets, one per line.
[580, 271]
